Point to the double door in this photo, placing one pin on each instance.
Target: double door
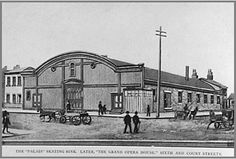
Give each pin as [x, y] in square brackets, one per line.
[74, 94]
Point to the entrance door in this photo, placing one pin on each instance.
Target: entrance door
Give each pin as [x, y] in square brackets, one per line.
[117, 101]
[37, 101]
[167, 99]
[74, 94]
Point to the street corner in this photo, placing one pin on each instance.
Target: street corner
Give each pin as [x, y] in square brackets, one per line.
[16, 132]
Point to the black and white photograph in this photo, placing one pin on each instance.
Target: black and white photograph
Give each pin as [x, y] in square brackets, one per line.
[117, 79]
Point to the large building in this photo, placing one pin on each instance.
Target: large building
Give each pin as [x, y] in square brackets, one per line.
[85, 78]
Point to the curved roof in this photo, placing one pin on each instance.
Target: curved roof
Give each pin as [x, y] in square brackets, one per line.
[112, 63]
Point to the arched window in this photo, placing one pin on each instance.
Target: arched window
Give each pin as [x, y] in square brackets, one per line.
[72, 69]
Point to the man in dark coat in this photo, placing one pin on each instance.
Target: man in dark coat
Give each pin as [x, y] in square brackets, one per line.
[186, 111]
[6, 122]
[68, 106]
[136, 121]
[100, 108]
[127, 121]
[148, 110]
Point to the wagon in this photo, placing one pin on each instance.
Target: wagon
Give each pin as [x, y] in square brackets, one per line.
[225, 120]
[75, 118]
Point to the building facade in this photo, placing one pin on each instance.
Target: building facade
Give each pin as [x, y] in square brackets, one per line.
[84, 79]
[13, 90]
[230, 101]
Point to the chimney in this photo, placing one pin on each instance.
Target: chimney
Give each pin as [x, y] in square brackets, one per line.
[194, 75]
[4, 68]
[104, 56]
[210, 75]
[187, 73]
[16, 67]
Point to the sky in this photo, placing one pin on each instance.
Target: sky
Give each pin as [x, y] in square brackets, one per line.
[199, 35]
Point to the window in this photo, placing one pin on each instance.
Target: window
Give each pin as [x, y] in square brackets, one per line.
[154, 95]
[14, 99]
[28, 95]
[180, 96]
[8, 98]
[18, 81]
[8, 81]
[189, 97]
[72, 69]
[218, 100]
[198, 98]
[205, 98]
[212, 99]
[117, 100]
[13, 81]
[18, 98]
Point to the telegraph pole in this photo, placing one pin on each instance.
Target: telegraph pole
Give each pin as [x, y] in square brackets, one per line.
[161, 34]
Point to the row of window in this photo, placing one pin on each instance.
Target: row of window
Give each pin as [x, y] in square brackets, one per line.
[14, 98]
[198, 97]
[13, 82]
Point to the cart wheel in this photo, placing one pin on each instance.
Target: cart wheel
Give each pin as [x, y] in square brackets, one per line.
[48, 118]
[62, 119]
[76, 120]
[42, 118]
[58, 114]
[226, 124]
[87, 119]
[217, 125]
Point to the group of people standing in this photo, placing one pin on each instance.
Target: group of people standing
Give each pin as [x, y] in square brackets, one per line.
[136, 121]
[101, 109]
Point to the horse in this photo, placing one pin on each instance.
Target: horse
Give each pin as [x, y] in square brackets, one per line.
[193, 113]
[44, 113]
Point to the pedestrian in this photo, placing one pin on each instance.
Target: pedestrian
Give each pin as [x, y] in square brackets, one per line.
[136, 122]
[186, 111]
[148, 110]
[100, 108]
[127, 121]
[6, 122]
[4, 113]
[104, 109]
[68, 106]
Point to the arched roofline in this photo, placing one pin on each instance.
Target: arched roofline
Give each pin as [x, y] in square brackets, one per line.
[74, 55]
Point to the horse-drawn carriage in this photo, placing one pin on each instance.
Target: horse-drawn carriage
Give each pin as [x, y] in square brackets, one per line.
[186, 113]
[223, 120]
[63, 117]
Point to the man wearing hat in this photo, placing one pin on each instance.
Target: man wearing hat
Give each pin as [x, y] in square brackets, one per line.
[136, 121]
[127, 121]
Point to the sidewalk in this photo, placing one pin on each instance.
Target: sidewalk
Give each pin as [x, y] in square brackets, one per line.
[16, 132]
[165, 115]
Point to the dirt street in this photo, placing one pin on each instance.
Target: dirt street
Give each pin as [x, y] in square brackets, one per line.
[112, 128]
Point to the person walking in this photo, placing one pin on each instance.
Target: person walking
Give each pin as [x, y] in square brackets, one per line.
[148, 110]
[104, 109]
[127, 121]
[136, 122]
[68, 106]
[100, 108]
[186, 111]
[6, 122]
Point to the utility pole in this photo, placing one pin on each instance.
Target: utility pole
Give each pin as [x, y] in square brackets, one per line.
[161, 34]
